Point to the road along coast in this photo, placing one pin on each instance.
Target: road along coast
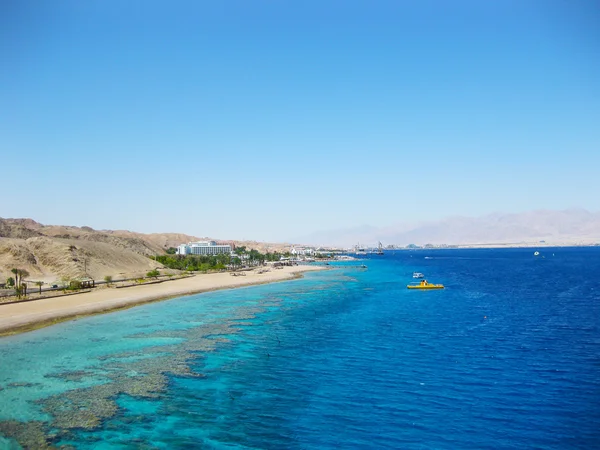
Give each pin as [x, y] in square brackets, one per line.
[26, 316]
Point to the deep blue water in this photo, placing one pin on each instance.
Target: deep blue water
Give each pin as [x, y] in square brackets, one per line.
[507, 356]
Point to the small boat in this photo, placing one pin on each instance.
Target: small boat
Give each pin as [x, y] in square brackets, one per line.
[358, 250]
[418, 275]
[424, 284]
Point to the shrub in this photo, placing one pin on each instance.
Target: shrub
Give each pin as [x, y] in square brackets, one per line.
[153, 274]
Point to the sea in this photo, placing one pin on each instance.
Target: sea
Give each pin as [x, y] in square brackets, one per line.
[507, 356]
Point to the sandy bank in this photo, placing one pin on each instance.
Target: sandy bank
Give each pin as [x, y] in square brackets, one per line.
[15, 318]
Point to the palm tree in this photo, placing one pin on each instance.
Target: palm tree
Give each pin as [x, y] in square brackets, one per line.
[16, 272]
[17, 284]
[22, 274]
[39, 284]
[20, 287]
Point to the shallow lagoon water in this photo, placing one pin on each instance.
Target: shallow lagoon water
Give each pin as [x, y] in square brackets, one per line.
[508, 356]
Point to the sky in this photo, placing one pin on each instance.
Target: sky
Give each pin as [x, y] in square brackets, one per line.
[271, 119]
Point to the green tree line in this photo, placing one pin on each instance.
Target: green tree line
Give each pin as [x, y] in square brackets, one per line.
[204, 263]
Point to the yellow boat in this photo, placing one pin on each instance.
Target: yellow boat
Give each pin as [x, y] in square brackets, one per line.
[424, 284]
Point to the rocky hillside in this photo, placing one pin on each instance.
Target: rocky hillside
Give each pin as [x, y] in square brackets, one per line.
[50, 252]
[50, 259]
[132, 243]
[161, 241]
[16, 229]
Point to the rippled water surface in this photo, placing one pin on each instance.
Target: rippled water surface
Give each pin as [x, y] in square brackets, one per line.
[507, 356]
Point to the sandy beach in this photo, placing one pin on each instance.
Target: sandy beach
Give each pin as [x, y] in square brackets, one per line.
[20, 317]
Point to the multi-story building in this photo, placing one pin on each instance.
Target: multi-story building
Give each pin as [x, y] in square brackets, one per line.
[203, 248]
[305, 251]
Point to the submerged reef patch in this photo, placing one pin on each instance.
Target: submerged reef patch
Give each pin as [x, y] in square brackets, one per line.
[141, 374]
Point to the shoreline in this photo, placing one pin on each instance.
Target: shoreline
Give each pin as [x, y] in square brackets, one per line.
[28, 316]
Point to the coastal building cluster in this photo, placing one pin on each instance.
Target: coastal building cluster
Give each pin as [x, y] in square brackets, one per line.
[297, 251]
[358, 249]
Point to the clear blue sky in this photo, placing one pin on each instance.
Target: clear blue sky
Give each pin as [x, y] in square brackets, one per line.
[272, 119]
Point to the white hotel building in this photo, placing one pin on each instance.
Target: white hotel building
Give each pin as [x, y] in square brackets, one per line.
[305, 251]
[203, 248]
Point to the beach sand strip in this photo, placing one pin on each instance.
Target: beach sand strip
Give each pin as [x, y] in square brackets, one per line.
[21, 317]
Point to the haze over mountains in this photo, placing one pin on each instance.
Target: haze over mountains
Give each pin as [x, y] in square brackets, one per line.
[571, 226]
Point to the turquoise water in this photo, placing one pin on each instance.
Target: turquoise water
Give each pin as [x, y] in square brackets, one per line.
[508, 356]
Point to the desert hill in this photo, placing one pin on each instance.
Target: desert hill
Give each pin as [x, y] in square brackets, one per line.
[50, 259]
[51, 252]
[17, 230]
[157, 240]
[166, 240]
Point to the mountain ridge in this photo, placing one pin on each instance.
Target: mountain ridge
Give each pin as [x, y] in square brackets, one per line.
[559, 226]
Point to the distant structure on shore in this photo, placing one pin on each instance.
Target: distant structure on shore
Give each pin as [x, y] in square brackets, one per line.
[203, 248]
[302, 251]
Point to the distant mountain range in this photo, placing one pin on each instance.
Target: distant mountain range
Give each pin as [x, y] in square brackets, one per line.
[571, 226]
